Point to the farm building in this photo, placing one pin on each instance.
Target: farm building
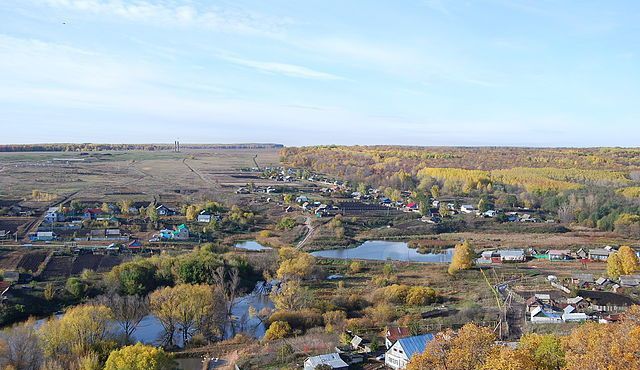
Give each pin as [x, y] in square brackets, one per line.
[401, 352]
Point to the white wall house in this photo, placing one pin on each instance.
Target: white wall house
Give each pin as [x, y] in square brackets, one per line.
[401, 352]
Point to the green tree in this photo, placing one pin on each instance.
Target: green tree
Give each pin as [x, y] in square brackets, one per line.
[152, 213]
[76, 287]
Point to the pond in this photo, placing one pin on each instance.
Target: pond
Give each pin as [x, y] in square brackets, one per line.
[251, 245]
[381, 250]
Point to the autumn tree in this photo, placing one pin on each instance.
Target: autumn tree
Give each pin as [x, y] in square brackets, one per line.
[334, 321]
[189, 309]
[296, 265]
[463, 350]
[152, 213]
[463, 257]
[594, 346]
[139, 357]
[420, 296]
[614, 266]
[504, 358]
[435, 191]
[82, 330]
[125, 205]
[542, 351]
[191, 212]
[105, 208]
[628, 260]
[277, 330]
[291, 296]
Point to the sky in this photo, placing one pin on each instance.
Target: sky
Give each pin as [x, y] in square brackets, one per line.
[409, 72]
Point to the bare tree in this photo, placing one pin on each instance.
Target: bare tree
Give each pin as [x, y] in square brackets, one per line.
[228, 284]
[128, 311]
[20, 347]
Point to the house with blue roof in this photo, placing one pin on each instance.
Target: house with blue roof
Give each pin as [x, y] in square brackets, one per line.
[401, 352]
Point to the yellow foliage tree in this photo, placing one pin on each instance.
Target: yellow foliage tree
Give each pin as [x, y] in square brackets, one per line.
[628, 260]
[503, 358]
[614, 266]
[463, 256]
[464, 350]
[76, 334]
[139, 357]
[277, 330]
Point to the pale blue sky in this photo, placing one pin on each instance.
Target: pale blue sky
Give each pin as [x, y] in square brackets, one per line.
[301, 72]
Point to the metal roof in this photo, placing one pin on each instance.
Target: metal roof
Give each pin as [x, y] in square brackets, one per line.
[331, 359]
[415, 344]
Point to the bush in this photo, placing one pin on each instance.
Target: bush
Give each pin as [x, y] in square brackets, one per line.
[355, 267]
[419, 296]
[277, 330]
[300, 319]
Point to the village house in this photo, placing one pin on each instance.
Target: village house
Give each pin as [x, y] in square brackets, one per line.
[180, 233]
[599, 254]
[52, 215]
[43, 236]
[467, 208]
[360, 344]
[559, 254]
[165, 211]
[394, 333]
[545, 315]
[204, 217]
[331, 359]
[91, 213]
[398, 356]
[582, 279]
[512, 255]
[630, 280]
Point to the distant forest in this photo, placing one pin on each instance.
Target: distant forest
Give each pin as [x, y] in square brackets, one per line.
[90, 147]
[594, 187]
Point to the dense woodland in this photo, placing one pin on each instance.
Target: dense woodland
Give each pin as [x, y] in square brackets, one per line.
[595, 187]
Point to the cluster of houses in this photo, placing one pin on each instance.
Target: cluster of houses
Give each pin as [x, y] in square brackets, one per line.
[400, 347]
[593, 305]
[522, 255]
[180, 232]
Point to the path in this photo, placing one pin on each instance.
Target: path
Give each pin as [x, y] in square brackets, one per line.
[310, 230]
